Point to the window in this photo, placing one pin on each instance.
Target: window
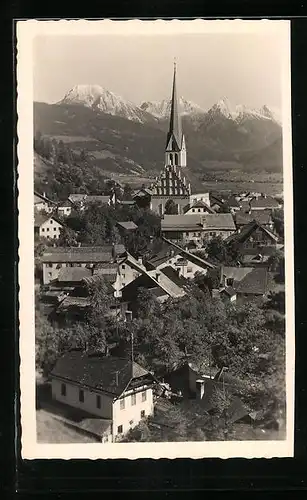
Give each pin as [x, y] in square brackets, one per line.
[43, 229]
[198, 210]
[81, 396]
[123, 276]
[193, 209]
[55, 228]
[122, 404]
[47, 229]
[50, 275]
[63, 390]
[120, 429]
[133, 399]
[98, 402]
[49, 265]
[51, 221]
[123, 266]
[144, 396]
[54, 236]
[189, 269]
[130, 422]
[142, 413]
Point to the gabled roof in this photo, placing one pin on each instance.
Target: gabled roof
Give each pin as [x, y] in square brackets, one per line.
[101, 373]
[247, 280]
[199, 204]
[189, 222]
[255, 282]
[218, 221]
[190, 256]
[128, 225]
[247, 231]
[97, 199]
[260, 216]
[66, 203]
[38, 198]
[73, 274]
[170, 272]
[142, 192]
[39, 219]
[264, 201]
[83, 254]
[77, 197]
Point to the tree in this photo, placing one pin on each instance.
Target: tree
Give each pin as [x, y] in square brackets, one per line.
[171, 208]
[278, 221]
[67, 237]
[220, 251]
[127, 194]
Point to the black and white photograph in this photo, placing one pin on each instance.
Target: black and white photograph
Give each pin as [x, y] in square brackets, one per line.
[156, 239]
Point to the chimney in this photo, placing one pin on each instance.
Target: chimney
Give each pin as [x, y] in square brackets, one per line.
[128, 316]
[44, 194]
[140, 260]
[79, 244]
[157, 277]
[200, 388]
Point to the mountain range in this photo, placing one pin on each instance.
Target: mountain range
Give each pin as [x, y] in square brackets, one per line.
[124, 137]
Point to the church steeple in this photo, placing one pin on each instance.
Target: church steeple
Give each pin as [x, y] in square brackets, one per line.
[175, 153]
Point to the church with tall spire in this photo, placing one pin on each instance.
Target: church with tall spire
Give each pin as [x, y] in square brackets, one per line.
[172, 183]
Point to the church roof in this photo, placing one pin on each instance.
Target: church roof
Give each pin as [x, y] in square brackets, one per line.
[174, 136]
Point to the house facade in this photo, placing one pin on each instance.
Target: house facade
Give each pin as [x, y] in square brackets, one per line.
[46, 226]
[113, 389]
[57, 258]
[197, 228]
[183, 262]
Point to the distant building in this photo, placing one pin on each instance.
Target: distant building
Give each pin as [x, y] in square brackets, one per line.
[263, 202]
[182, 261]
[196, 197]
[263, 217]
[46, 226]
[253, 235]
[198, 207]
[197, 227]
[43, 204]
[243, 282]
[115, 390]
[65, 208]
[55, 259]
[126, 228]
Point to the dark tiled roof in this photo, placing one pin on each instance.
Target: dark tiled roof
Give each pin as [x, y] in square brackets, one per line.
[73, 274]
[97, 198]
[108, 374]
[260, 216]
[39, 219]
[255, 282]
[129, 225]
[170, 272]
[190, 222]
[82, 254]
[218, 221]
[229, 291]
[264, 202]
[66, 203]
[248, 230]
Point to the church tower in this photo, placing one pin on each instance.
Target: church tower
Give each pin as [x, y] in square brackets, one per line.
[171, 186]
[175, 151]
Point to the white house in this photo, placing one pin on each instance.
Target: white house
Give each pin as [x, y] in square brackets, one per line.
[47, 226]
[182, 261]
[54, 259]
[65, 208]
[205, 197]
[117, 390]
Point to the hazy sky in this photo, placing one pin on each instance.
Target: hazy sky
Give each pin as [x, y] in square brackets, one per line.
[245, 68]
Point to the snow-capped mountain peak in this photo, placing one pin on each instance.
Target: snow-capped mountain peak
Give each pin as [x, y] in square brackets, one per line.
[161, 109]
[105, 101]
[85, 94]
[241, 112]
